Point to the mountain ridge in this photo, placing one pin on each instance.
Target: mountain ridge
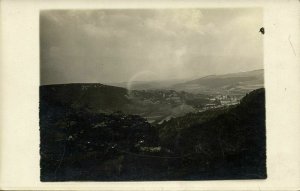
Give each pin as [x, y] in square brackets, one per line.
[239, 83]
[230, 74]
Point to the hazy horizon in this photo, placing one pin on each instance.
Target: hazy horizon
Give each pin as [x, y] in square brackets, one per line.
[142, 81]
[116, 46]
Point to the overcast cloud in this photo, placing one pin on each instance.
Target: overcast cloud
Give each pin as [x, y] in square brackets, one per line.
[115, 45]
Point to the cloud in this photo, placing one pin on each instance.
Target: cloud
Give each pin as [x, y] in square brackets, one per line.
[114, 45]
[176, 22]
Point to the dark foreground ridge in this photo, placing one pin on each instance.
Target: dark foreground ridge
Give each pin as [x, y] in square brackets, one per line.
[83, 144]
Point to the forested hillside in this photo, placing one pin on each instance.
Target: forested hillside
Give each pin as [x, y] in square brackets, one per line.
[78, 143]
[154, 105]
[229, 142]
[96, 97]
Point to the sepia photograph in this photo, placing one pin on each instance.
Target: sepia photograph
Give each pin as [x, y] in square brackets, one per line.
[152, 94]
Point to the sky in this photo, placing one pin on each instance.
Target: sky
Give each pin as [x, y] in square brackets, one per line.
[111, 46]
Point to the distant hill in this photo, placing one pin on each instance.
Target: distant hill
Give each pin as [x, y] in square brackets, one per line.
[94, 96]
[235, 83]
[154, 105]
